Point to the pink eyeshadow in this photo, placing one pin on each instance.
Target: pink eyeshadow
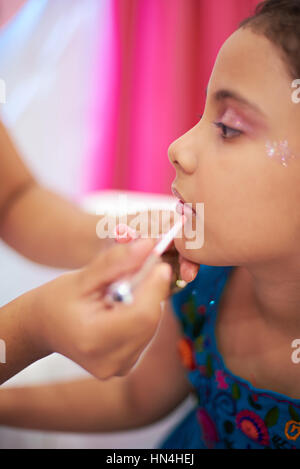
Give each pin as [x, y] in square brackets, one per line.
[232, 119]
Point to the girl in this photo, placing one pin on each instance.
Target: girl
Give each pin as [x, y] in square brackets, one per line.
[237, 321]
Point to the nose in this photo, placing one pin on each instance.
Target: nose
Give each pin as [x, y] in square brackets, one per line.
[182, 155]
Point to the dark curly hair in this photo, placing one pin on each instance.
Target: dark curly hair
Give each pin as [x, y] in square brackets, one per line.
[279, 21]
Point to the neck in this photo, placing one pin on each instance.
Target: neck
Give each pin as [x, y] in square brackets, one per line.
[276, 294]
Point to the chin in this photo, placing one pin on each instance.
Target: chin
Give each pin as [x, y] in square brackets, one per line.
[189, 254]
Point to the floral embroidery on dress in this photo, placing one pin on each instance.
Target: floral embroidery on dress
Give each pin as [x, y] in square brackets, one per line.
[292, 430]
[221, 379]
[224, 403]
[185, 348]
[199, 343]
[230, 412]
[253, 426]
[209, 429]
[202, 369]
[202, 309]
[203, 383]
[235, 391]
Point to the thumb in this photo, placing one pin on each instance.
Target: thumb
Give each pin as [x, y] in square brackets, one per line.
[116, 261]
[154, 288]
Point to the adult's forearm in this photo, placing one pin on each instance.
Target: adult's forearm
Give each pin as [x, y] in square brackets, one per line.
[85, 405]
[38, 223]
[49, 229]
[18, 348]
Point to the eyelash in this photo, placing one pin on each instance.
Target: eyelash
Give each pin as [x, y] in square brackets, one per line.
[225, 129]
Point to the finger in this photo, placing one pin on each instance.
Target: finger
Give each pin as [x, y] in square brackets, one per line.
[137, 322]
[161, 221]
[154, 289]
[134, 325]
[116, 261]
[188, 270]
[124, 233]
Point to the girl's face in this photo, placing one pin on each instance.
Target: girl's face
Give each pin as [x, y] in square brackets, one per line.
[230, 160]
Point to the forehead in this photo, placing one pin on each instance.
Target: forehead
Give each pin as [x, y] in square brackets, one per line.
[252, 66]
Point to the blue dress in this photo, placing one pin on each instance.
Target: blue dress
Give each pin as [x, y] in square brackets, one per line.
[230, 412]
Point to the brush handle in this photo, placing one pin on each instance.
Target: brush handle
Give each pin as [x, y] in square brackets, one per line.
[122, 290]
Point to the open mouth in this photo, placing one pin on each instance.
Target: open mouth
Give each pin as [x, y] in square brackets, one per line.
[183, 207]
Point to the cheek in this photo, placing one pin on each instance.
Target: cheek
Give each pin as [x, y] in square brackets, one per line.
[242, 213]
[255, 216]
[248, 198]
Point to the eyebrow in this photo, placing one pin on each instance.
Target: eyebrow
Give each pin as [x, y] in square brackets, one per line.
[221, 95]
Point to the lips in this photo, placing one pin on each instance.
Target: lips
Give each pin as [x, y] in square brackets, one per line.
[182, 206]
[177, 195]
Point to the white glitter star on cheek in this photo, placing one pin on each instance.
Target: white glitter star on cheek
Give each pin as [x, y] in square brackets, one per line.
[280, 150]
[270, 149]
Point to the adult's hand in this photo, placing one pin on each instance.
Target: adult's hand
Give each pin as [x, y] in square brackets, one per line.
[182, 268]
[69, 315]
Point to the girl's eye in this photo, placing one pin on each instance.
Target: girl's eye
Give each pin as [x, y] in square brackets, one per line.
[227, 132]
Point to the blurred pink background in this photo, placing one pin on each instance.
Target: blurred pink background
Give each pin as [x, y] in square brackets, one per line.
[161, 54]
[8, 8]
[147, 83]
